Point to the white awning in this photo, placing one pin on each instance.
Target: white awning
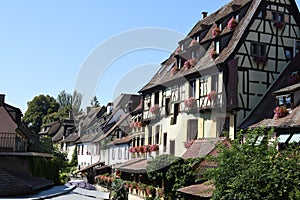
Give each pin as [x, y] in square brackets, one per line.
[283, 137]
[295, 138]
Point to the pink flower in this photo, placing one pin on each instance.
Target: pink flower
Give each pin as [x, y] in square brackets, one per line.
[212, 96]
[154, 109]
[232, 23]
[216, 32]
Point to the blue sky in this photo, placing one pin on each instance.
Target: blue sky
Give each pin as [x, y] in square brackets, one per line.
[44, 44]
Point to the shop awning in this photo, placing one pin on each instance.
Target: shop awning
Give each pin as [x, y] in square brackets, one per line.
[295, 138]
[91, 166]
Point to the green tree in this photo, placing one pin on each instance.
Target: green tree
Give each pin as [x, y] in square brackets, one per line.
[76, 102]
[94, 102]
[39, 107]
[255, 169]
[119, 191]
[64, 99]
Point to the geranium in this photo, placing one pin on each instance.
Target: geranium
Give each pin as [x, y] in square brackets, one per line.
[132, 150]
[216, 32]
[154, 147]
[190, 102]
[212, 96]
[190, 63]
[213, 54]
[280, 111]
[154, 109]
[232, 23]
[139, 149]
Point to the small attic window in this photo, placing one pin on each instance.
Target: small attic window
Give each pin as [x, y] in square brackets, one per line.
[261, 15]
[220, 26]
[217, 46]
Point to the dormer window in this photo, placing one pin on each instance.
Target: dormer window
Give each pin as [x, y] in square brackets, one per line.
[261, 15]
[236, 17]
[284, 100]
[220, 26]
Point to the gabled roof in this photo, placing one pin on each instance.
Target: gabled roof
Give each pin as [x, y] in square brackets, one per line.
[50, 128]
[202, 147]
[7, 124]
[73, 137]
[114, 127]
[122, 140]
[290, 88]
[201, 190]
[164, 77]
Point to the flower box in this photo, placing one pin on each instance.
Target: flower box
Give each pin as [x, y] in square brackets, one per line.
[190, 63]
[216, 32]
[190, 102]
[146, 148]
[212, 96]
[278, 24]
[260, 59]
[154, 109]
[232, 23]
[154, 147]
[280, 111]
[213, 54]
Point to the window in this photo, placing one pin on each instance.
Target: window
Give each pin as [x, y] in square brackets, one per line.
[258, 49]
[261, 15]
[220, 25]
[167, 106]
[284, 100]
[120, 153]
[223, 126]
[138, 141]
[277, 17]
[192, 129]
[192, 88]
[296, 47]
[156, 98]
[142, 141]
[157, 134]
[288, 53]
[214, 82]
[133, 142]
[172, 147]
[165, 142]
[150, 135]
[113, 154]
[176, 112]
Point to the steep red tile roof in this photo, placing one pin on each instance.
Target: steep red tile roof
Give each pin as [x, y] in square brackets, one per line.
[202, 147]
[201, 190]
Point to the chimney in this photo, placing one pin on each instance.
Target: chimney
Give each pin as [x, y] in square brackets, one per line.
[109, 107]
[71, 114]
[204, 15]
[2, 99]
[88, 109]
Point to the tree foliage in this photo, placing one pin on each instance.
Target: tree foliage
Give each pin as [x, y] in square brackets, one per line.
[119, 191]
[39, 107]
[169, 169]
[94, 102]
[64, 99]
[255, 169]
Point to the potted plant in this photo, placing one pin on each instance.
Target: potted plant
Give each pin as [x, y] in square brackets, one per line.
[147, 148]
[216, 32]
[232, 23]
[154, 147]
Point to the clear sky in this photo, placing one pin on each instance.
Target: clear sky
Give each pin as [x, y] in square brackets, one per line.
[44, 44]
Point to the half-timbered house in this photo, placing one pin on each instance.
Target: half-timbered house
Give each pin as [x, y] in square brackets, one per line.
[219, 73]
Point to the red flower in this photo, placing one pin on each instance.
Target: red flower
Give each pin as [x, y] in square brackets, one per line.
[216, 32]
[232, 23]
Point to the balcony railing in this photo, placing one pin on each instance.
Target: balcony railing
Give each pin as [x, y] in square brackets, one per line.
[12, 143]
